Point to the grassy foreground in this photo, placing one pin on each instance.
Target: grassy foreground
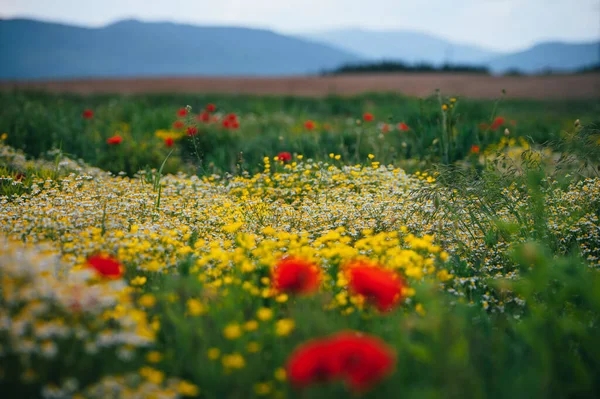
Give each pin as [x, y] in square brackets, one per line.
[308, 275]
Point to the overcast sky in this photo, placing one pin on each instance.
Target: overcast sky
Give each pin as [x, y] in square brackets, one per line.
[495, 24]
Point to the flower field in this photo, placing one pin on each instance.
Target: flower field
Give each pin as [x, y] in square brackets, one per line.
[264, 247]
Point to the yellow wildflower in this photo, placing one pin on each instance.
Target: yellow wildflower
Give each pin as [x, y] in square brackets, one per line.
[195, 307]
[284, 327]
[187, 389]
[233, 361]
[232, 331]
[280, 374]
[264, 314]
[139, 280]
[213, 353]
[253, 347]
[262, 389]
[251, 325]
[147, 300]
[154, 357]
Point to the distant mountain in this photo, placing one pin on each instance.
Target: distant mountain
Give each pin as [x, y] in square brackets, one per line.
[415, 47]
[558, 57]
[35, 50]
[32, 49]
[407, 46]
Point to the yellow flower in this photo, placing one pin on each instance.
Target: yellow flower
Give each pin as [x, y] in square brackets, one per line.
[268, 231]
[284, 327]
[443, 275]
[139, 280]
[195, 307]
[213, 353]
[147, 300]
[419, 309]
[234, 361]
[233, 227]
[4, 136]
[163, 134]
[253, 347]
[338, 157]
[232, 331]
[280, 374]
[299, 156]
[262, 389]
[371, 156]
[187, 389]
[251, 325]
[152, 375]
[264, 314]
[281, 298]
[445, 107]
[154, 357]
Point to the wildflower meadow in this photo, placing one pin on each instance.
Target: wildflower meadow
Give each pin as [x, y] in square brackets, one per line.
[378, 246]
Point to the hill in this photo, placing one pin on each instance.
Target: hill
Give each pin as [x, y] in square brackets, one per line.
[37, 50]
[415, 48]
[407, 46]
[556, 56]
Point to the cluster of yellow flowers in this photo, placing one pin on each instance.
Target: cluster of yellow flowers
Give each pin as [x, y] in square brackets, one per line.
[228, 232]
[303, 202]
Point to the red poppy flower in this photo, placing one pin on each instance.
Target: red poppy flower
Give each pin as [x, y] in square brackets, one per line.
[296, 276]
[403, 127]
[235, 125]
[114, 140]
[284, 156]
[106, 266]
[211, 107]
[226, 123]
[368, 117]
[361, 360]
[381, 286]
[231, 117]
[385, 128]
[364, 359]
[182, 112]
[203, 117]
[178, 125]
[499, 121]
[169, 141]
[88, 114]
[313, 362]
[475, 149]
[192, 131]
[309, 125]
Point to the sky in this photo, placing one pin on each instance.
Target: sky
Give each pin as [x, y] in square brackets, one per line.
[504, 25]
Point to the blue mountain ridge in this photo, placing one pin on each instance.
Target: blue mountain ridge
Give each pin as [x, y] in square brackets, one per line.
[31, 49]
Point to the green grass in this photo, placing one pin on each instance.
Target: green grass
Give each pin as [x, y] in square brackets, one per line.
[37, 123]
